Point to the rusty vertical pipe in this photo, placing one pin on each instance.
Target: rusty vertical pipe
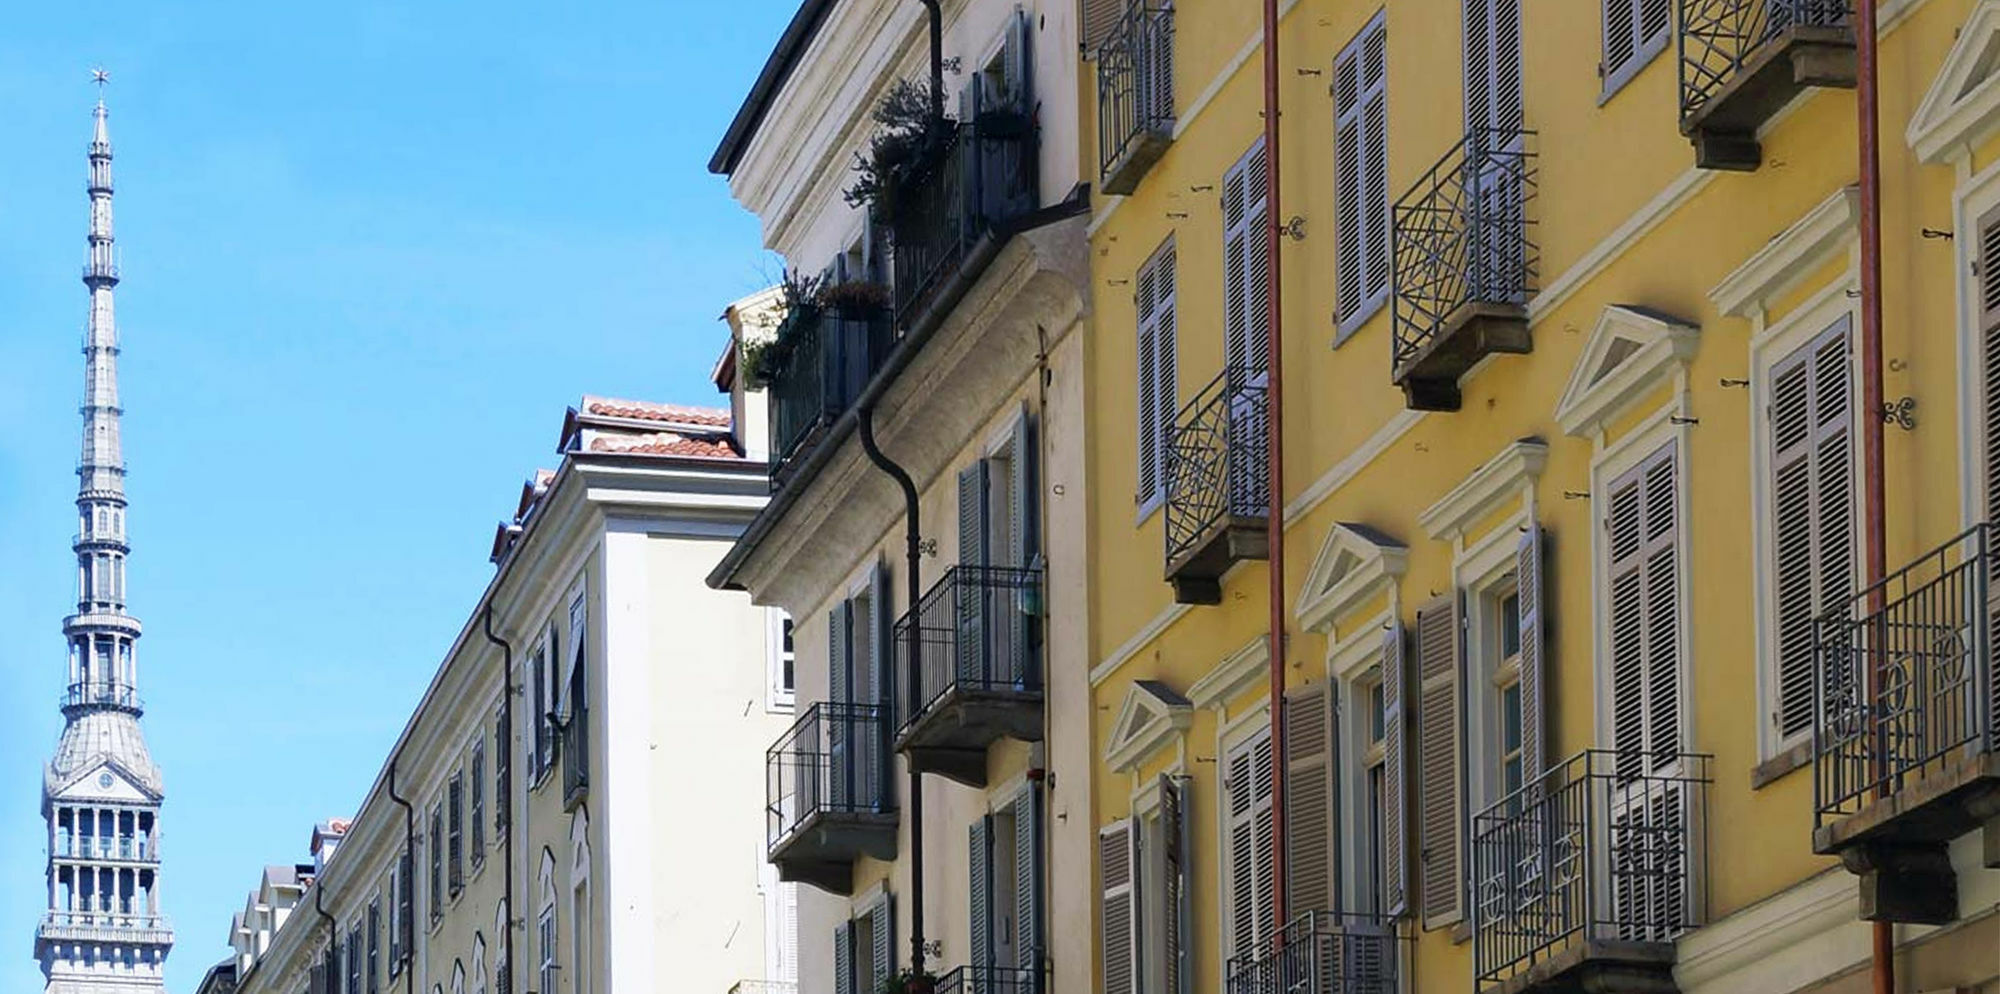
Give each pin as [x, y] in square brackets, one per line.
[1274, 458]
[1875, 529]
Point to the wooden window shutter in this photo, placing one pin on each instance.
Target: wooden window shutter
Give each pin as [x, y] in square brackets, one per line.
[1531, 591]
[406, 907]
[881, 627]
[1017, 64]
[1247, 780]
[1027, 881]
[1813, 510]
[843, 959]
[1988, 273]
[1024, 495]
[1361, 183]
[1633, 31]
[1395, 775]
[455, 822]
[1098, 19]
[503, 771]
[1439, 749]
[882, 926]
[839, 690]
[979, 893]
[1175, 911]
[1118, 918]
[1493, 65]
[1645, 615]
[1158, 388]
[972, 512]
[1309, 798]
[1245, 262]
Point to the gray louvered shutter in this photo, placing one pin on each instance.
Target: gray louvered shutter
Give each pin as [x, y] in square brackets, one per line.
[1645, 615]
[1395, 775]
[840, 675]
[406, 904]
[1361, 184]
[843, 959]
[1159, 390]
[973, 665]
[882, 926]
[1098, 18]
[1987, 271]
[1493, 65]
[972, 515]
[1531, 589]
[882, 693]
[1633, 31]
[1176, 912]
[1017, 64]
[1439, 752]
[1248, 777]
[839, 690]
[1023, 495]
[979, 892]
[1309, 803]
[1245, 261]
[1027, 885]
[1812, 500]
[1117, 918]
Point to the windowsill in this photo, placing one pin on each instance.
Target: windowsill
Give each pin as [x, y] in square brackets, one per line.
[1774, 769]
[1348, 327]
[1147, 509]
[1461, 933]
[1640, 60]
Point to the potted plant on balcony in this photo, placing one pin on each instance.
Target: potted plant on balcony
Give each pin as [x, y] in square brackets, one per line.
[762, 358]
[855, 300]
[907, 137]
[909, 981]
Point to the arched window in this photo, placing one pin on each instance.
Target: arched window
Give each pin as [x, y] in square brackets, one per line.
[545, 928]
[458, 977]
[503, 975]
[581, 937]
[478, 963]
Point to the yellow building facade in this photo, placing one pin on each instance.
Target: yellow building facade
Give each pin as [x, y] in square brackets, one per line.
[1581, 683]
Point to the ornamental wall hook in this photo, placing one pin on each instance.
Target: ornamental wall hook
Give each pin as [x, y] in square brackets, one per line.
[1901, 412]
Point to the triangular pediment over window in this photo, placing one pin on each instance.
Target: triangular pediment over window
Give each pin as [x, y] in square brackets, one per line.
[105, 782]
[1355, 563]
[1962, 107]
[1629, 352]
[1149, 719]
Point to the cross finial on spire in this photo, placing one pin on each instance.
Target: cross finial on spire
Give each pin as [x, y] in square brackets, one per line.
[100, 77]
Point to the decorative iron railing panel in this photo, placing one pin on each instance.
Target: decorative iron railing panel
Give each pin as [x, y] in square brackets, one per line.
[1718, 36]
[1320, 952]
[981, 177]
[1604, 846]
[989, 980]
[1215, 458]
[1903, 682]
[831, 760]
[1461, 236]
[1135, 81]
[101, 694]
[575, 751]
[828, 359]
[978, 628]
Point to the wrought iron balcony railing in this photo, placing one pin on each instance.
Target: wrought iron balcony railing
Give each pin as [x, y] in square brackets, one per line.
[1135, 94]
[980, 680]
[980, 179]
[1320, 953]
[1904, 681]
[827, 359]
[1465, 264]
[134, 848]
[1217, 492]
[101, 694]
[989, 980]
[575, 752]
[830, 760]
[1589, 866]
[1741, 60]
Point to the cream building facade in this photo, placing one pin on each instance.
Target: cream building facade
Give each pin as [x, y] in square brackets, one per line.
[939, 326]
[599, 706]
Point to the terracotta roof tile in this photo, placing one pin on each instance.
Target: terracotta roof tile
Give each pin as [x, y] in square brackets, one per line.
[665, 443]
[644, 410]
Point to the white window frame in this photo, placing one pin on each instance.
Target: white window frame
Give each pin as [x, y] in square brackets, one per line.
[1151, 915]
[1166, 379]
[1484, 570]
[1973, 196]
[1644, 50]
[1354, 664]
[779, 698]
[548, 937]
[1371, 304]
[1608, 462]
[1233, 735]
[1769, 347]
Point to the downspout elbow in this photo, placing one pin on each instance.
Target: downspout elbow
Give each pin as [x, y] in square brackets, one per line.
[409, 846]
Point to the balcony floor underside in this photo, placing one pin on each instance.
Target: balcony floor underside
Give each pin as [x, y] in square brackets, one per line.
[1197, 574]
[1724, 128]
[1472, 332]
[821, 851]
[951, 737]
[1597, 966]
[1936, 809]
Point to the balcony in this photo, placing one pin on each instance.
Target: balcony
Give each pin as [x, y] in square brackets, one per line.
[575, 752]
[97, 694]
[980, 679]
[827, 800]
[989, 980]
[1905, 755]
[1464, 265]
[824, 360]
[951, 217]
[1135, 95]
[103, 926]
[1218, 496]
[124, 848]
[1583, 879]
[1743, 60]
[1320, 953]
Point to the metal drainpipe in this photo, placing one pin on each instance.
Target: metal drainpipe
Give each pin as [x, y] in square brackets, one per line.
[507, 718]
[937, 58]
[914, 552]
[332, 927]
[409, 846]
[1274, 461]
[1875, 538]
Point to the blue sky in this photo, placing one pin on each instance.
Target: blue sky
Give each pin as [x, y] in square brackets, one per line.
[371, 251]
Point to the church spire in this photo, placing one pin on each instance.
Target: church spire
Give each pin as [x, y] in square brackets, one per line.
[103, 932]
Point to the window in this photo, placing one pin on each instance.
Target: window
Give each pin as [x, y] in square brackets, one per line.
[1645, 615]
[437, 863]
[1812, 511]
[1634, 32]
[864, 949]
[374, 944]
[353, 955]
[783, 661]
[538, 678]
[503, 772]
[476, 818]
[1361, 175]
[1440, 788]
[1493, 66]
[455, 831]
[478, 964]
[1004, 908]
[546, 932]
[1374, 789]
[1507, 694]
[1159, 391]
[1246, 781]
[503, 971]
[399, 911]
[1246, 262]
